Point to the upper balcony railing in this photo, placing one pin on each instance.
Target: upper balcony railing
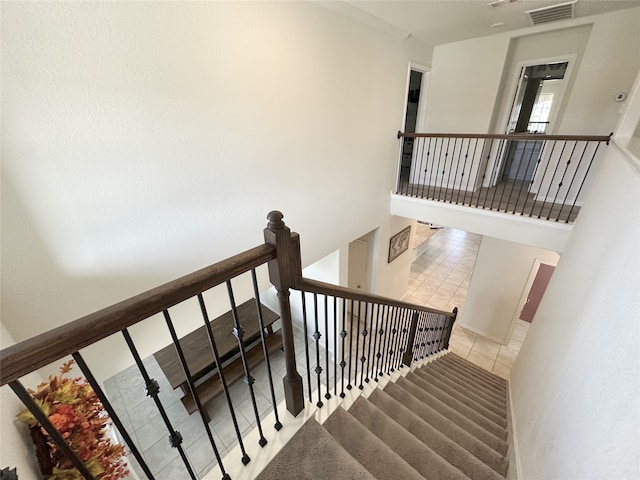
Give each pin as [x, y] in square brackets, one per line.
[532, 175]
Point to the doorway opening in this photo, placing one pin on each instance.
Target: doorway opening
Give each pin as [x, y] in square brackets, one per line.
[533, 112]
[415, 91]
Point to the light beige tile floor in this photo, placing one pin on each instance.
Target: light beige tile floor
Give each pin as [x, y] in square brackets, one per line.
[440, 279]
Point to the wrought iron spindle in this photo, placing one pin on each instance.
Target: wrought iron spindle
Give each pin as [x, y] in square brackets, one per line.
[385, 340]
[453, 154]
[444, 169]
[265, 350]
[316, 337]
[43, 420]
[343, 335]
[306, 343]
[394, 342]
[583, 180]
[356, 359]
[553, 176]
[152, 390]
[464, 170]
[220, 371]
[475, 181]
[363, 359]
[335, 346]
[376, 347]
[495, 174]
[566, 168]
[238, 332]
[194, 393]
[428, 168]
[575, 172]
[372, 337]
[349, 386]
[418, 169]
[530, 182]
[484, 173]
[326, 345]
[404, 333]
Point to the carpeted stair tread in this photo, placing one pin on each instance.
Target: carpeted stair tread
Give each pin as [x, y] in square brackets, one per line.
[476, 424]
[466, 436]
[481, 371]
[367, 448]
[467, 384]
[296, 460]
[489, 409]
[459, 457]
[477, 380]
[421, 457]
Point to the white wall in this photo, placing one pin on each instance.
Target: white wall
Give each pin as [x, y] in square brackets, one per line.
[499, 277]
[16, 449]
[144, 140]
[576, 382]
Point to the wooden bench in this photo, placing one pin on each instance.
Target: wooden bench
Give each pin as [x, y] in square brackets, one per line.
[200, 359]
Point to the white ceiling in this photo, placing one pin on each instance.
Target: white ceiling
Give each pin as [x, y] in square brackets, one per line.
[435, 22]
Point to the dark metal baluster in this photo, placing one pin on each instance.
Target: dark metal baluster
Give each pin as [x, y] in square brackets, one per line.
[380, 331]
[475, 181]
[553, 176]
[152, 390]
[388, 340]
[544, 173]
[384, 340]
[417, 168]
[506, 209]
[464, 169]
[437, 170]
[453, 154]
[363, 359]
[238, 332]
[420, 337]
[404, 334]
[349, 386]
[484, 174]
[566, 168]
[495, 174]
[372, 337]
[335, 345]
[265, 350]
[395, 342]
[343, 334]
[430, 167]
[194, 394]
[356, 359]
[376, 348]
[223, 381]
[44, 421]
[584, 178]
[575, 172]
[430, 333]
[444, 169]
[316, 337]
[306, 343]
[326, 345]
[533, 177]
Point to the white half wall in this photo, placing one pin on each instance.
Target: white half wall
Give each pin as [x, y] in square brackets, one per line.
[497, 283]
[576, 382]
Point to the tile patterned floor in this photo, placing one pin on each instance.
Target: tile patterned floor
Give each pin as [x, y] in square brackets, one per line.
[440, 279]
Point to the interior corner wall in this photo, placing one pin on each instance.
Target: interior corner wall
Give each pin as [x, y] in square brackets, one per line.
[498, 280]
[16, 451]
[576, 382]
[142, 141]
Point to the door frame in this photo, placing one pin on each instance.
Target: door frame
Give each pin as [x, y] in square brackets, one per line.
[422, 109]
[514, 88]
[525, 291]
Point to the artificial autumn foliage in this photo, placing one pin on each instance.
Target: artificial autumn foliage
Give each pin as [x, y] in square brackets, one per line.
[75, 410]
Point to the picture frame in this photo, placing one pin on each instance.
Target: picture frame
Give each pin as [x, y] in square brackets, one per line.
[399, 243]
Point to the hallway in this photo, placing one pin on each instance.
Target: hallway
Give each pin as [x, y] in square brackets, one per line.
[440, 277]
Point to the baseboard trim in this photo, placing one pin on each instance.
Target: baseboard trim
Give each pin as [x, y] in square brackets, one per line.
[513, 442]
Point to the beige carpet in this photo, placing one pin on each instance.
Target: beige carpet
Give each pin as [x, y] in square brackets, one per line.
[446, 420]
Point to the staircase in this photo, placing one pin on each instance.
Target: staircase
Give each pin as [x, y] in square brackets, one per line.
[444, 420]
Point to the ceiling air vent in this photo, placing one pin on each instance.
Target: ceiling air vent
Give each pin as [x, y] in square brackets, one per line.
[552, 13]
[501, 3]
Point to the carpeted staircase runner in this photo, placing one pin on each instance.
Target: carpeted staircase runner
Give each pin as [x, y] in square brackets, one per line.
[445, 420]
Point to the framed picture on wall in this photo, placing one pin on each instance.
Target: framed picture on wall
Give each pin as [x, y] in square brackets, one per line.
[399, 243]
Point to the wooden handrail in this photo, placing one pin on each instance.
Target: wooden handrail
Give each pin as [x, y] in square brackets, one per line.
[509, 136]
[36, 352]
[315, 286]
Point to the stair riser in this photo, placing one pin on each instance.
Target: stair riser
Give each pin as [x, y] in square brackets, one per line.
[468, 412]
[476, 379]
[467, 398]
[499, 381]
[440, 443]
[494, 439]
[465, 383]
